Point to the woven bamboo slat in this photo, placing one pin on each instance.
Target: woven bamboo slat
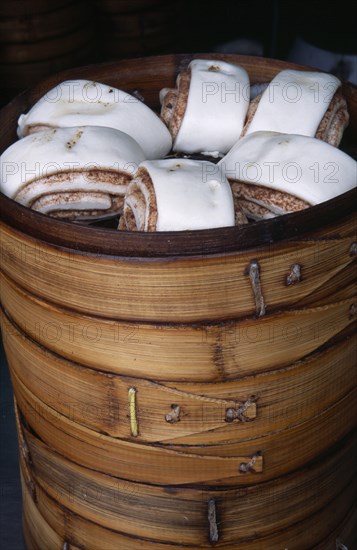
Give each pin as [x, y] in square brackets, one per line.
[235, 463]
[100, 401]
[180, 290]
[218, 352]
[181, 515]
[38, 534]
[338, 286]
[300, 536]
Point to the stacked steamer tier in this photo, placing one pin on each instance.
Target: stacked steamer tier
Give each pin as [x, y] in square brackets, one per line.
[129, 29]
[39, 38]
[183, 390]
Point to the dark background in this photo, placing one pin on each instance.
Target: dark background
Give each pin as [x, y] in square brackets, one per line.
[97, 31]
[38, 38]
[10, 492]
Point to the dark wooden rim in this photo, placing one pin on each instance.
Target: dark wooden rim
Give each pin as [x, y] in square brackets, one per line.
[163, 244]
[203, 242]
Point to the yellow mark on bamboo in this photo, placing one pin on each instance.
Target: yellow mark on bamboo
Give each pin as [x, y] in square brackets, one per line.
[132, 412]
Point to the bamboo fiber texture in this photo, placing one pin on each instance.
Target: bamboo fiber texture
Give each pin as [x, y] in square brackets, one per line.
[190, 390]
[91, 498]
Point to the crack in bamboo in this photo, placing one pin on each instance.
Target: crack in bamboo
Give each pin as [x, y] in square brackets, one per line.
[253, 270]
[353, 249]
[212, 520]
[340, 545]
[132, 412]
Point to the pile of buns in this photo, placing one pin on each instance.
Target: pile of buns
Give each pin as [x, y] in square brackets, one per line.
[222, 152]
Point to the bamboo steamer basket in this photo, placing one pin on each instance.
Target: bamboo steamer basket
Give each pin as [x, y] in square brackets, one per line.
[150, 380]
[60, 488]
[143, 27]
[40, 38]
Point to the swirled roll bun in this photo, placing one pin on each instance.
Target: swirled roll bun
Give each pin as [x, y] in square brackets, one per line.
[207, 109]
[71, 173]
[86, 103]
[272, 173]
[177, 195]
[300, 102]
